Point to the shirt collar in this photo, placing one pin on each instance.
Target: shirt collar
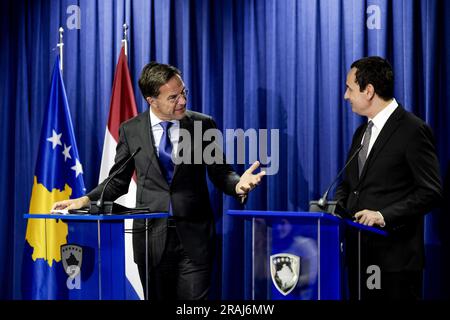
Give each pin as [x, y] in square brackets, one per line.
[382, 117]
[154, 120]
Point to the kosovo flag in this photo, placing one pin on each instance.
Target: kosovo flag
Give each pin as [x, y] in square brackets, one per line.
[58, 176]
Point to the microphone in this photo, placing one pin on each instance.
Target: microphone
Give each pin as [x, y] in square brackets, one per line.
[323, 203]
[99, 202]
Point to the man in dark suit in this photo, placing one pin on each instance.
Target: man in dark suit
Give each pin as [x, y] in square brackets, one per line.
[392, 185]
[180, 248]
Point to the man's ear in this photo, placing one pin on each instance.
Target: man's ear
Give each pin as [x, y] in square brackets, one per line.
[370, 92]
[150, 100]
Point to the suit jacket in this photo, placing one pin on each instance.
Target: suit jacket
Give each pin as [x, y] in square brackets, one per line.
[400, 179]
[187, 194]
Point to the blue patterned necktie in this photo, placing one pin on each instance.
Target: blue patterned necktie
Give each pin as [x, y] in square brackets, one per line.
[362, 156]
[165, 151]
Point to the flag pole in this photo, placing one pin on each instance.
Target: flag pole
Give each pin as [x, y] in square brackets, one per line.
[125, 38]
[60, 45]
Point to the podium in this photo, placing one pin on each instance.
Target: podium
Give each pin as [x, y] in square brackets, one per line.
[288, 255]
[94, 256]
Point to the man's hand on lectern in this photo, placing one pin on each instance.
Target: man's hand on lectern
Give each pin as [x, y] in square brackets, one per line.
[71, 204]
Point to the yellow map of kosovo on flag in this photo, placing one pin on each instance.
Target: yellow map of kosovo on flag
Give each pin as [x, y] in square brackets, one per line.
[58, 176]
[42, 231]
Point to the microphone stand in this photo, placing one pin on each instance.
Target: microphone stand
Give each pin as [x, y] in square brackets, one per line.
[101, 206]
[331, 206]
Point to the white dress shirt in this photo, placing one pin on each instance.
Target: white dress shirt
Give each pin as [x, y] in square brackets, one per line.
[157, 131]
[379, 121]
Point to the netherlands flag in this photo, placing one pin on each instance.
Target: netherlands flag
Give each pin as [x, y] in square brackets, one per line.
[122, 107]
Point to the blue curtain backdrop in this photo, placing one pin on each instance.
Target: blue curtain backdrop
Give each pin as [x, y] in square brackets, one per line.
[264, 64]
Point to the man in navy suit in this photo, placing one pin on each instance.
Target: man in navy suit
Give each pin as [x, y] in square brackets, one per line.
[392, 184]
[180, 248]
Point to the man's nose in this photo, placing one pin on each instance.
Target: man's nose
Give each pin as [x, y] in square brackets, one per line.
[182, 100]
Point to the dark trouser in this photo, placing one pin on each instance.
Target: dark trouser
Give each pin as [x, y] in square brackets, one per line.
[405, 285]
[176, 277]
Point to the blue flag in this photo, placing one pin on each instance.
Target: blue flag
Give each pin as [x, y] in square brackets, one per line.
[58, 176]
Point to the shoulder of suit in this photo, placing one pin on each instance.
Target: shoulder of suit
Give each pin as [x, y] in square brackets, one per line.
[197, 115]
[412, 126]
[411, 119]
[136, 120]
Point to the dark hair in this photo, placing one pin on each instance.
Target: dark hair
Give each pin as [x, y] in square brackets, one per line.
[377, 72]
[153, 76]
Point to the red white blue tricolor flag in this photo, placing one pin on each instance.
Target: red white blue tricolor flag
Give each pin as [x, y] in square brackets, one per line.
[122, 107]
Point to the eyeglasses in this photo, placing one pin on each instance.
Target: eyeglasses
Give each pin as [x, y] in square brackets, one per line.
[175, 99]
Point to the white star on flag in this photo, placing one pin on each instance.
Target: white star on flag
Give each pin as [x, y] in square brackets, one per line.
[66, 152]
[77, 167]
[55, 139]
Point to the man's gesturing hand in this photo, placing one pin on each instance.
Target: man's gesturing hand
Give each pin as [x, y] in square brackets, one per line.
[249, 180]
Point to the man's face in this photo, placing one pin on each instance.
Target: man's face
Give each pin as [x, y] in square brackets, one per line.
[170, 104]
[358, 100]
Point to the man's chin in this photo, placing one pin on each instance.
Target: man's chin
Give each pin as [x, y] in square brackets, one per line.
[180, 114]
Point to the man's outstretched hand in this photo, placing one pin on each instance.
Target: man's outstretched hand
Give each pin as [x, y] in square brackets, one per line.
[249, 181]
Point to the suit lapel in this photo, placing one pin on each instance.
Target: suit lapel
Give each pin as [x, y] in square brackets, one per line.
[389, 128]
[352, 171]
[185, 124]
[148, 142]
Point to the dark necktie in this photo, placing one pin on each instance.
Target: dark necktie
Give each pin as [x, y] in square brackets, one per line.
[165, 151]
[362, 156]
